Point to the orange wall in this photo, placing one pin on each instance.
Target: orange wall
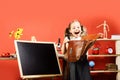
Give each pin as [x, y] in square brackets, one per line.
[47, 19]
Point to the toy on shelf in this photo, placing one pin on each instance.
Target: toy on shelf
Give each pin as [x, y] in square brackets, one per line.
[33, 38]
[16, 34]
[7, 54]
[91, 64]
[105, 29]
[58, 44]
[95, 51]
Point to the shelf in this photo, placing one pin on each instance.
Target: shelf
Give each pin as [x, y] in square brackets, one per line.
[108, 39]
[103, 71]
[8, 58]
[100, 55]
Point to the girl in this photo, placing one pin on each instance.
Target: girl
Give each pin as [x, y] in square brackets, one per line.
[75, 70]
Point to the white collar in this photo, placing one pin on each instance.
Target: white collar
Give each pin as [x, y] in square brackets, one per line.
[75, 38]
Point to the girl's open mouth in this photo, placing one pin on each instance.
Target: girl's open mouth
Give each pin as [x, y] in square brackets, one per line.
[76, 32]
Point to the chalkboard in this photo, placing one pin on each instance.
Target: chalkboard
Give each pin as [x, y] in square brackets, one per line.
[37, 59]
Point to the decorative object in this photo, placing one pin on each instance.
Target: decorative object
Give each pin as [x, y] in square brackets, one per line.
[95, 51]
[33, 38]
[91, 64]
[16, 34]
[105, 29]
[58, 44]
[111, 66]
[5, 54]
[109, 50]
[96, 48]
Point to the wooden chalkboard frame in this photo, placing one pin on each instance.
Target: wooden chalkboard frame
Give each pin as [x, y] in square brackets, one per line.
[34, 61]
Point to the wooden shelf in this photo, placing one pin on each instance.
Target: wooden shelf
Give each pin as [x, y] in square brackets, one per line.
[99, 55]
[7, 58]
[103, 71]
[108, 39]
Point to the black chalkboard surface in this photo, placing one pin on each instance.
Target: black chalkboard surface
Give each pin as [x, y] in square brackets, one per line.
[37, 59]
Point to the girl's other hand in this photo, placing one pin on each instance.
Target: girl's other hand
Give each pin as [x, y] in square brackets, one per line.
[66, 40]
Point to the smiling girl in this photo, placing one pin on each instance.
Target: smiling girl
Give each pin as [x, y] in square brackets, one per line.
[78, 70]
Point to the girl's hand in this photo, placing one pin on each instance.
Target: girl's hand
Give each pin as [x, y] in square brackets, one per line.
[66, 40]
[64, 48]
[65, 57]
[101, 35]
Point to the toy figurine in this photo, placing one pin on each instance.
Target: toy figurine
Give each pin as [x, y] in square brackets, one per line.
[105, 29]
[33, 38]
[91, 64]
[16, 34]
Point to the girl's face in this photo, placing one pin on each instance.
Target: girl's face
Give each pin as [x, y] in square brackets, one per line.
[75, 29]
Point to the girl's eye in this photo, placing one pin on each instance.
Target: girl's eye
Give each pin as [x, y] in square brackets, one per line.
[73, 28]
